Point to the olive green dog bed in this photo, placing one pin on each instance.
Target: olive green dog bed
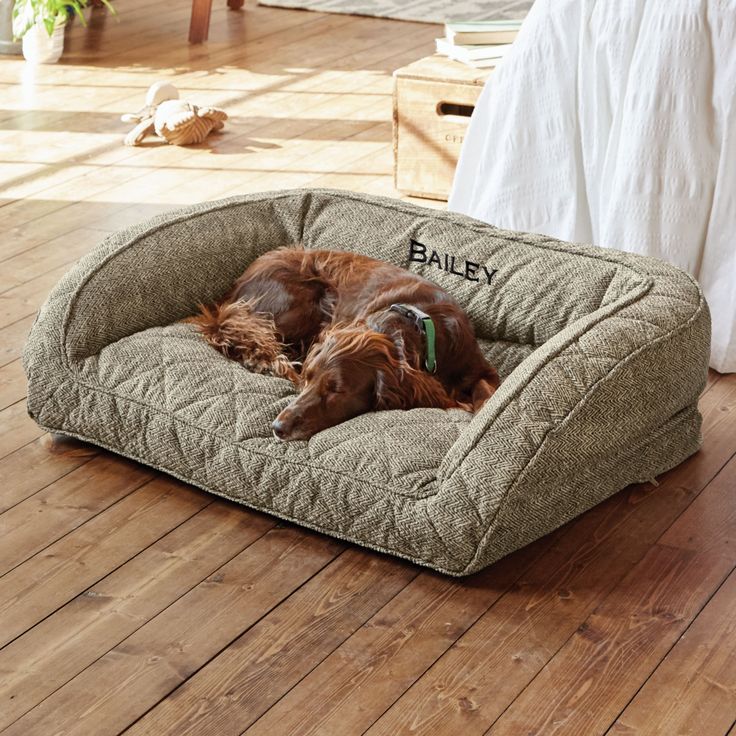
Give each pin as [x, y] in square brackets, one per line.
[602, 354]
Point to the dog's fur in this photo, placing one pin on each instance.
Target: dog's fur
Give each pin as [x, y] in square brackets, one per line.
[328, 312]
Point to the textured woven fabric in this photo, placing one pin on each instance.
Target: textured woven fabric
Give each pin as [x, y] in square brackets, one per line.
[603, 356]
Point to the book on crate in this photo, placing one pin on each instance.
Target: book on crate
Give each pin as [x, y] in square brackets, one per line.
[478, 44]
[476, 56]
[481, 33]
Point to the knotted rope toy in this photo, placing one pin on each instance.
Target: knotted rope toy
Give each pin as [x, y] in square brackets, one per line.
[176, 121]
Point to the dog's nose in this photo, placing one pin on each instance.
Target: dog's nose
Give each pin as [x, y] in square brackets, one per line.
[279, 428]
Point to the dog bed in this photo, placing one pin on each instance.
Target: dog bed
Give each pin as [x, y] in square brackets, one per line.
[602, 356]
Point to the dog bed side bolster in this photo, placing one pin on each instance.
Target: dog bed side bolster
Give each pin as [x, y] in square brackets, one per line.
[147, 275]
[580, 400]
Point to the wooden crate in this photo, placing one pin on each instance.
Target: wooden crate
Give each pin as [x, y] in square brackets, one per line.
[433, 100]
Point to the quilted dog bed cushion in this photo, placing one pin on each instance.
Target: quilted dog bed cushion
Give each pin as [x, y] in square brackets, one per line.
[602, 354]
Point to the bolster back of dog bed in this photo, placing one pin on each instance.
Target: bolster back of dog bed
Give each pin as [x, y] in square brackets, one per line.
[535, 292]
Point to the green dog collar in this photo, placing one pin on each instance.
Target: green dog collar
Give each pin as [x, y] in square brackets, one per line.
[423, 322]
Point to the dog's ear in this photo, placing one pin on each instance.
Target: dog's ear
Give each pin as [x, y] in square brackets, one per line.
[404, 387]
[389, 393]
[482, 391]
[428, 391]
[401, 386]
[484, 388]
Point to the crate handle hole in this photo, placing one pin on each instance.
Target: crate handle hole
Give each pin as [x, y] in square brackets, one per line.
[455, 111]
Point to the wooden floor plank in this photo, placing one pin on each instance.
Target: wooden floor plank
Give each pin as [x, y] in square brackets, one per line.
[12, 383]
[597, 672]
[132, 677]
[294, 128]
[226, 40]
[15, 212]
[50, 579]
[713, 376]
[357, 682]
[250, 675]
[102, 164]
[266, 51]
[136, 38]
[16, 428]
[25, 300]
[13, 337]
[470, 686]
[55, 226]
[37, 522]
[35, 466]
[384, 54]
[622, 640]
[693, 691]
[47, 255]
[61, 646]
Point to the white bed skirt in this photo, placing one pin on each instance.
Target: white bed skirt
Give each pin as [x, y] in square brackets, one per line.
[615, 124]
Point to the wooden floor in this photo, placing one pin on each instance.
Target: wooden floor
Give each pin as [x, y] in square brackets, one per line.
[130, 601]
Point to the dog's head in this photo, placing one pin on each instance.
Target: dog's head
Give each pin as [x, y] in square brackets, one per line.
[353, 370]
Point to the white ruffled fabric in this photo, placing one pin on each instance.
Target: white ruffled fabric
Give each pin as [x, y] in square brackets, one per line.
[614, 123]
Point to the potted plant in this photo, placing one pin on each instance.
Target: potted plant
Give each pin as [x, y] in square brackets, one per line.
[41, 23]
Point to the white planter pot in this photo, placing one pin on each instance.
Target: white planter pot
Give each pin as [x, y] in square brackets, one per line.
[40, 48]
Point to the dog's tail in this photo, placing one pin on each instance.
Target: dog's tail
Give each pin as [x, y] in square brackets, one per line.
[242, 334]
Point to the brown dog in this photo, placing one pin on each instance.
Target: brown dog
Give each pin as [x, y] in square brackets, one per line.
[359, 329]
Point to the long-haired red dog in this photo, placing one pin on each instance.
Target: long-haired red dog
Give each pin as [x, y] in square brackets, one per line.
[367, 335]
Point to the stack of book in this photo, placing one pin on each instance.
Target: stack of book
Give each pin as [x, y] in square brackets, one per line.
[480, 43]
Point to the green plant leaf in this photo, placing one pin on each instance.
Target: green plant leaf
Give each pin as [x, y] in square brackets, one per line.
[109, 6]
[49, 12]
[77, 8]
[23, 18]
